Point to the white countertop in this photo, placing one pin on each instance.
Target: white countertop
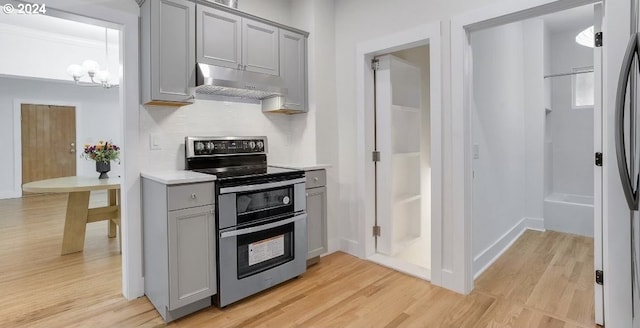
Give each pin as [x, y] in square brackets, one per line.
[302, 166]
[171, 177]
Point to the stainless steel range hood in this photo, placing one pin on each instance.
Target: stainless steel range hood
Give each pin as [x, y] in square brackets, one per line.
[227, 82]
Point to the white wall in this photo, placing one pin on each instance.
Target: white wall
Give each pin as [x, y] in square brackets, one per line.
[497, 112]
[315, 134]
[358, 21]
[534, 119]
[97, 118]
[548, 149]
[571, 129]
[276, 10]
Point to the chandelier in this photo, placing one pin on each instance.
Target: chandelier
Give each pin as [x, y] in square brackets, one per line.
[91, 68]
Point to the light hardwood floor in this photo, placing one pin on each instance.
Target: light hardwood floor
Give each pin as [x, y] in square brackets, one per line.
[543, 280]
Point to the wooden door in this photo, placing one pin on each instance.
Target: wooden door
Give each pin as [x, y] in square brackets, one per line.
[48, 142]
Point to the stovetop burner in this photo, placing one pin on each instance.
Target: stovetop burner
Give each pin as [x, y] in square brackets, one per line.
[228, 173]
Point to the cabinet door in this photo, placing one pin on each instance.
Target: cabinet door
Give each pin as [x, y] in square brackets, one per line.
[173, 62]
[316, 221]
[293, 69]
[219, 38]
[260, 47]
[192, 255]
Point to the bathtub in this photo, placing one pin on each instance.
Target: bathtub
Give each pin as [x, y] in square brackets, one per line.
[569, 213]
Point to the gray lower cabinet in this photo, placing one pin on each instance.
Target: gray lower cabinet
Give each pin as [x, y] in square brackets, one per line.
[316, 215]
[179, 246]
[167, 59]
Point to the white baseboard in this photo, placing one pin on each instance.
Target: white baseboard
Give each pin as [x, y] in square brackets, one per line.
[333, 245]
[350, 247]
[534, 224]
[493, 252]
[10, 194]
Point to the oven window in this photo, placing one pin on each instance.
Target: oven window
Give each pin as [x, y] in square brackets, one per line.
[265, 203]
[264, 250]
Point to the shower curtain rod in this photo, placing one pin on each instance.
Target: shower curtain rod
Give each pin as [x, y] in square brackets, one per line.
[571, 73]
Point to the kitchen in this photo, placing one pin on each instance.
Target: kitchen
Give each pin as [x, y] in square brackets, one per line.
[317, 127]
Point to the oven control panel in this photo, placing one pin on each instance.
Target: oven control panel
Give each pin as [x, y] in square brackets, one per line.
[209, 146]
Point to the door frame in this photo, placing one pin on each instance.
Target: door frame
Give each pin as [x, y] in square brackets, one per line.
[127, 23]
[17, 134]
[461, 27]
[365, 51]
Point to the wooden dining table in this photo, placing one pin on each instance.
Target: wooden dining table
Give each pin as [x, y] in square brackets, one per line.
[79, 214]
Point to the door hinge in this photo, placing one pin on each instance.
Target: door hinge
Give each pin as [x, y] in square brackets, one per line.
[598, 159]
[598, 39]
[375, 156]
[375, 64]
[376, 231]
[599, 277]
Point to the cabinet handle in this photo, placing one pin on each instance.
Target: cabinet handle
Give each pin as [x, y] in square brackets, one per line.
[239, 66]
[211, 211]
[315, 179]
[194, 196]
[307, 194]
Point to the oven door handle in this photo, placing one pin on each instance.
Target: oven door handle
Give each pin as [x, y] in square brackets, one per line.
[263, 227]
[228, 190]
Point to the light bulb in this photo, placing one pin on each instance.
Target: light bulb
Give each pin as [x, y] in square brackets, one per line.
[76, 71]
[91, 66]
[103, 76]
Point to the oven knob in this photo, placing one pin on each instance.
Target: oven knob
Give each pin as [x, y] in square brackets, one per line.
[252, 144]
[199, 146]
[260, 144]
[286, 200]
[209, 145]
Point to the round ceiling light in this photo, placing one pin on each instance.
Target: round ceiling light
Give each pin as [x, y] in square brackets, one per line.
[585, 38]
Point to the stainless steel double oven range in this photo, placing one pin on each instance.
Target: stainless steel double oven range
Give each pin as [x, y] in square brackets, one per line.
[261, 215]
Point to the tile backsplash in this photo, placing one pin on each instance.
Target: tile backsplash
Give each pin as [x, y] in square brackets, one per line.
[169, 126]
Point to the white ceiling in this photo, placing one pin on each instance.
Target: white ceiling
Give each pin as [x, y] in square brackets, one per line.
[56, 25]
[576, 18]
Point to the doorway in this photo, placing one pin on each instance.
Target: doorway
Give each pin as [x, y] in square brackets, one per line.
[420, 207]
[48, 141]
[402, 170]
[534, 128]
[123, 20]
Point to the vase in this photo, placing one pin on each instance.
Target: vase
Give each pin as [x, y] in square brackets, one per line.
[103, 168]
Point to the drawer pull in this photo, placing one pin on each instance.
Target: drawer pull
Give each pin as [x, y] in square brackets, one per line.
[194, 196]
[315, 179]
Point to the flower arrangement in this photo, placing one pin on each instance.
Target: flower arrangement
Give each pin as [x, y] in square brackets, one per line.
[104, 152]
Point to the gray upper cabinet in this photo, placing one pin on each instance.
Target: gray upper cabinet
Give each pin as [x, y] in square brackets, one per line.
[260, 51]
[219, 38]
[167, 51]
[232, 41]
[293, 69]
